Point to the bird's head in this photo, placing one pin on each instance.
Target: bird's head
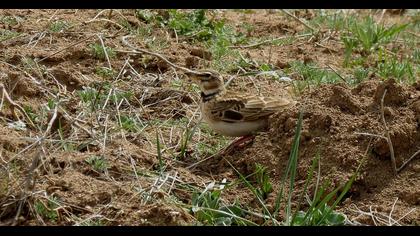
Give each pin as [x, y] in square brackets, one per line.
[210, 82]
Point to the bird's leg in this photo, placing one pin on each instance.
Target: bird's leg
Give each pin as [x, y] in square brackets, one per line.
[242, 141]
[238, 143]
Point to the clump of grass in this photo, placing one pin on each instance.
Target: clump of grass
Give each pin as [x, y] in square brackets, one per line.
[350, 45]
[129, 123]
[205, 149]
[90, 96]
[95, 98]
[263, 181]
[64, 143]
[10, 20]
[51, 103]
[416, 56]
[332, 20]
[401, 71]
[311, 76]
[146, 32]
[208, 208]
[97, 163]
[186, 138]
[245, 11]
[190, 23]
[224, 57]
[193, 23]
[120, 95]
[105, 72]
[7, 34]
[159, 154]
[248, 28]
[47, 210]
[31, 113]
[359, 75]
[58, 26]
[367, 36]
[216, 35]
[99, 52]
[156, 43]
[318, 213]
[196, 26]
[146, 15]
[93, 222]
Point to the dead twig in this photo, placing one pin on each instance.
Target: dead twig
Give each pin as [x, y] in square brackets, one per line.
[97, 15]
[105, 52]
[407, 161]
[372, 135]
[65, 48]
[380, 218]
[53, 15]
[201, 161]
[14, 105]
[50, 124]
[341, 77]
[299, 20]
[29, 180]
[267, 41]
[382, 16]
[328, 48]
[412, 33]
[388, 136]
[23, 71]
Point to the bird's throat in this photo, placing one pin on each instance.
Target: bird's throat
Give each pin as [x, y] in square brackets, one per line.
[205, 97]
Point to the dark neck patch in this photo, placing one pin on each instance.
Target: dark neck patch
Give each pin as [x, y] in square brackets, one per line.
[208, 97]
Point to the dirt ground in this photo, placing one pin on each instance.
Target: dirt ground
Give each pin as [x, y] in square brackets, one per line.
[46, 177]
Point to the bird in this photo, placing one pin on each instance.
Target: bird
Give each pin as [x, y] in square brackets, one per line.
[234, 114]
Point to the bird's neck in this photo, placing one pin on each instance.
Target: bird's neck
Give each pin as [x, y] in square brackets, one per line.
[209, 95]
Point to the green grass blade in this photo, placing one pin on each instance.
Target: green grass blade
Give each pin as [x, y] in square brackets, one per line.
[291, 164]
[307, 181]
[159, 153]
[254, 191]
[346, 188]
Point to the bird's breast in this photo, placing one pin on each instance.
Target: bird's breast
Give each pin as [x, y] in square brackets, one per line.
[237, 129]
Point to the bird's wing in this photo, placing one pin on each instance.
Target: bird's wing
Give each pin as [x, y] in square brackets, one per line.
[246, 108]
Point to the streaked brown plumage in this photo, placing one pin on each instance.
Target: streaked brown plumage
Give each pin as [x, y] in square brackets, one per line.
[232, 113]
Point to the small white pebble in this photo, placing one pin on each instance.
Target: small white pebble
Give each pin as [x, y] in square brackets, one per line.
[17, 125]
[284, 78]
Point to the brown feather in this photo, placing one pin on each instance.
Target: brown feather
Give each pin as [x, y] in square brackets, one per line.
[234, 114]
[249, 107]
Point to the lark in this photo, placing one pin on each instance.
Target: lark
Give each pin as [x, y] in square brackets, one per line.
[235, 114]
